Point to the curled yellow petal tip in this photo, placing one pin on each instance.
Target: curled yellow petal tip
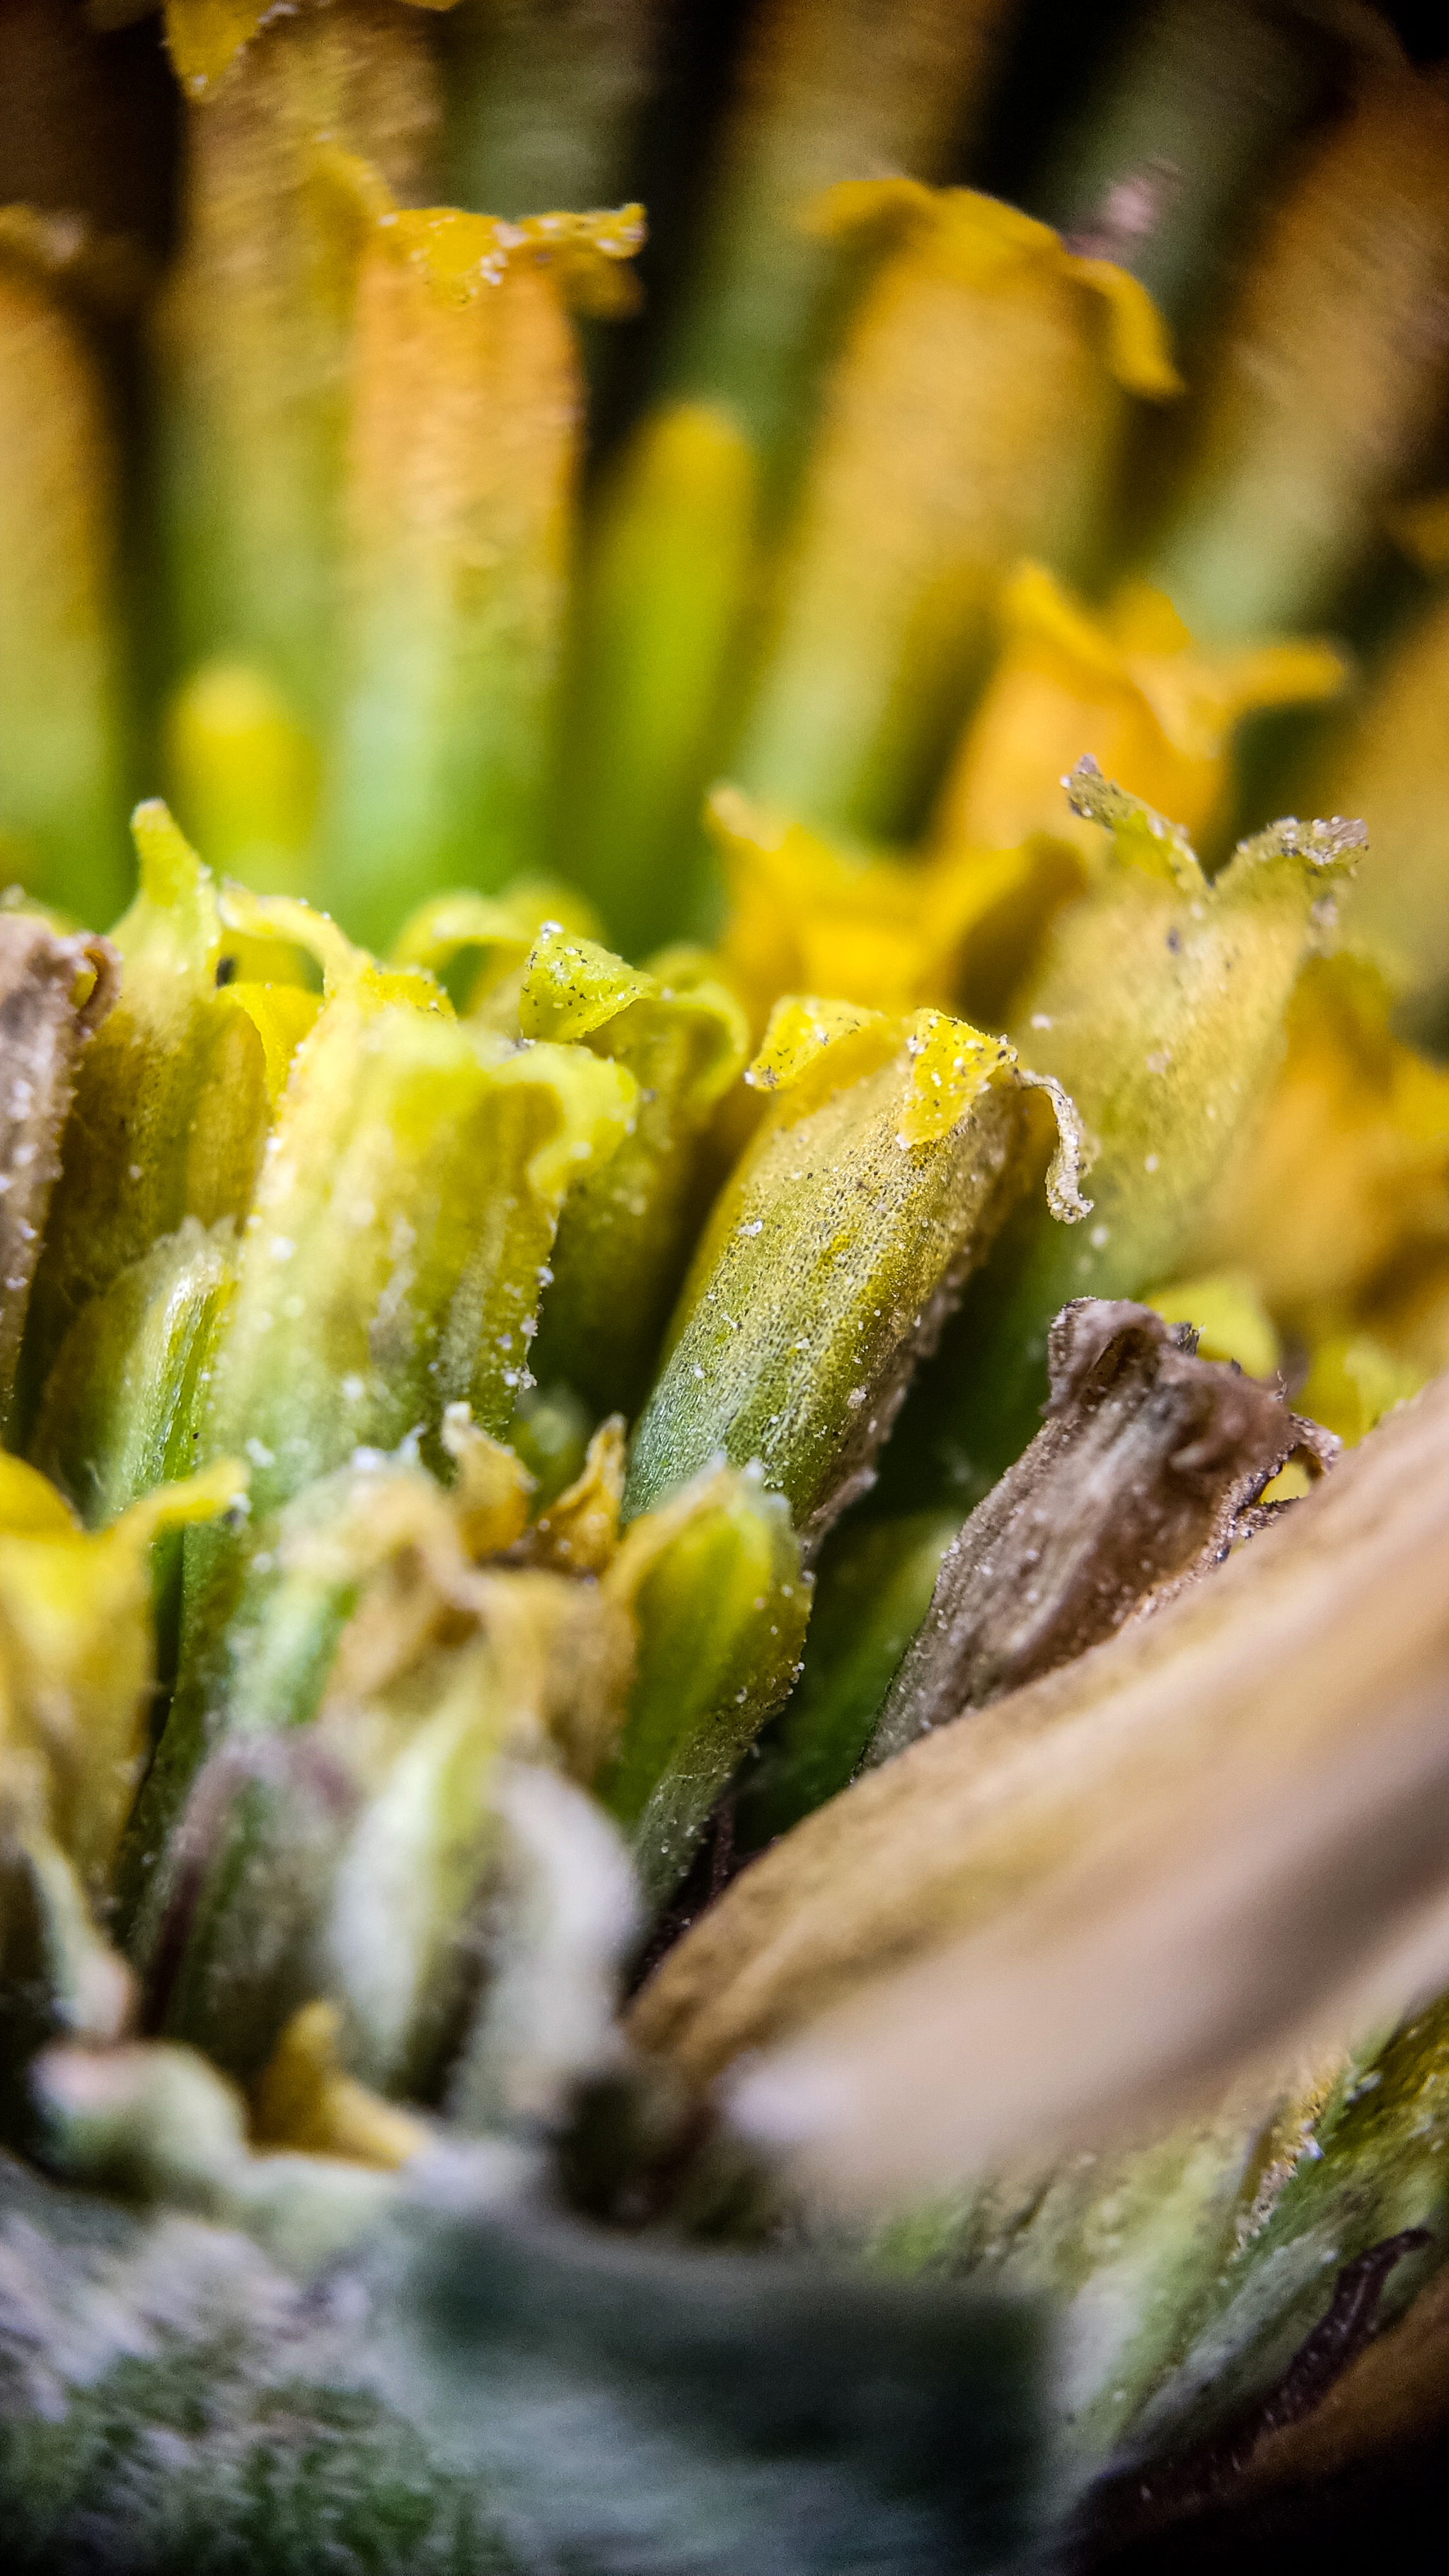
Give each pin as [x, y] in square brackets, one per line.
[461, 255]
[1128, 684]
[346, 968]
[992, 242]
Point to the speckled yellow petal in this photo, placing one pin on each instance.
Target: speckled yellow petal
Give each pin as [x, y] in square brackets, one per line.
[991, 242]
[573, 986]
[801, 1028]
[951, 1064]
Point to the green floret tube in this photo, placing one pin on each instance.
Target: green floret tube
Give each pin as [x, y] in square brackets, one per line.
[460, 497]
[123, 1402]
[719, 1600]
[665, 582]
[413, 1182]
[975, 415]
[624, 1236]
[834, 1253]
[1159, 1005]
[171, 1102]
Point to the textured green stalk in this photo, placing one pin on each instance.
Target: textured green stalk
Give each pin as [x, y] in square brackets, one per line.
[1197, 2265]
[414, 1182]
[829, 90]
[624, 1238]
[1163, 153]
[974, 416]
[714, 1584]
[124, 1400]
[834, 1253]
[1321, 396]
[874, 1589]
[460, 486]
[171, 1104]
[1370, 2168]
[543, 100]
[663, 587]
[1134, 2241]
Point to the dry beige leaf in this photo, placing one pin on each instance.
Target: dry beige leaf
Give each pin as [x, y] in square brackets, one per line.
[1220, 1835]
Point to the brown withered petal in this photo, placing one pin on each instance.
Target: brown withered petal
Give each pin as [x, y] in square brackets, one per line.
[1219, 1834]
[1140, 1476]
[53, 993]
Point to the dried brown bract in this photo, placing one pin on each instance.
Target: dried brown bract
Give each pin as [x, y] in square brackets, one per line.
[54, 993]
[1140, 1477]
